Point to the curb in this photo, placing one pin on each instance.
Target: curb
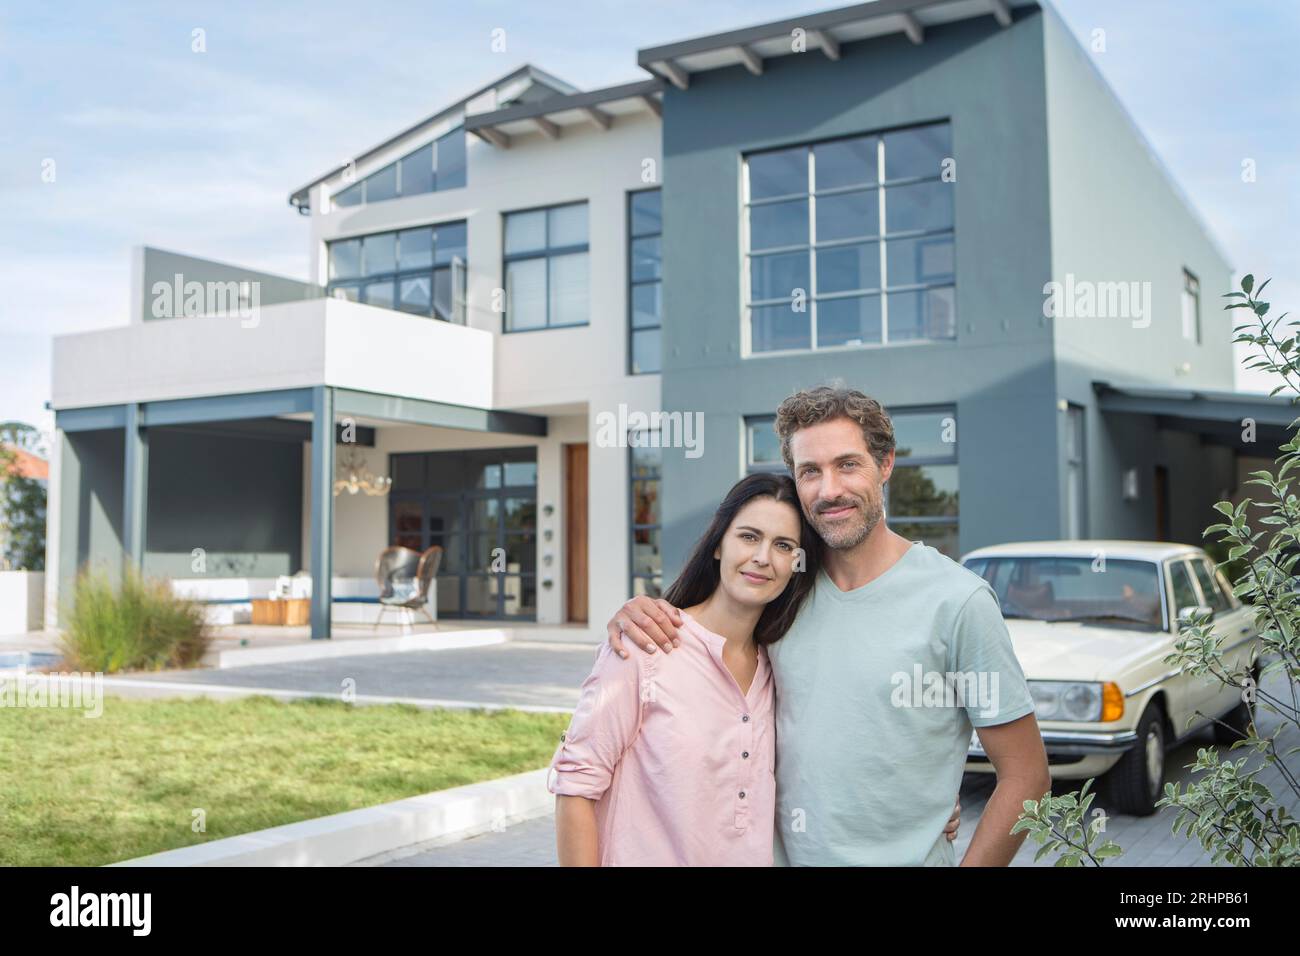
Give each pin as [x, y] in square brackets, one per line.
[354, 835]
[342, 647]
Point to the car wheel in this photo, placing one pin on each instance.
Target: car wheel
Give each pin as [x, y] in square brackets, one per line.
[1137, 780]
[1238, 719]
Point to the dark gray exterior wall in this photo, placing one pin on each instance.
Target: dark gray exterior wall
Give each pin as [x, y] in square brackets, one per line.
[998, 374]
[90, 509]
[238, 499]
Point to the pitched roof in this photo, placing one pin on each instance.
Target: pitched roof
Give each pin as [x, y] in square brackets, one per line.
[299, 197]
[824, 31]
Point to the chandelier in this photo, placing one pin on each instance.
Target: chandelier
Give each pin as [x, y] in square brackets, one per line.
[354, 476]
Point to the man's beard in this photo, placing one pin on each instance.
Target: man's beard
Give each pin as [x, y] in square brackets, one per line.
[846, 534]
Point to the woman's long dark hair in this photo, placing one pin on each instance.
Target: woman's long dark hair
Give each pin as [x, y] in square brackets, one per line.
[700, 576]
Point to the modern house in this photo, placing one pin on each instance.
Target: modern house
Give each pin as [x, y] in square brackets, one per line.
[937, 201]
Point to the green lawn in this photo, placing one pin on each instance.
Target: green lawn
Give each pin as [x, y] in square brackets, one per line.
[79, 791]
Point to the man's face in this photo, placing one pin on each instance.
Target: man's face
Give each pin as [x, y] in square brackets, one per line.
[840, 486]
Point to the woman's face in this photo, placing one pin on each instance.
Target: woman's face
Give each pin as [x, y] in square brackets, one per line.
[757, 554]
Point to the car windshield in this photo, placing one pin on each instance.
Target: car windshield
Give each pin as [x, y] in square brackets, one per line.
[1092, 590]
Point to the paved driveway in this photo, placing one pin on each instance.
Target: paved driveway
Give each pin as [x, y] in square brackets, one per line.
[520, 673]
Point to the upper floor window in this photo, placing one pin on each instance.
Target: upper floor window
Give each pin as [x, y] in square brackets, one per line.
[546, 267]
[850, 242]
[645, 280]
[421, 271]
[434, 166]
[1191, 303]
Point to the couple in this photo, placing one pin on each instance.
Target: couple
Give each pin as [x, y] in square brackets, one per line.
[678, 753]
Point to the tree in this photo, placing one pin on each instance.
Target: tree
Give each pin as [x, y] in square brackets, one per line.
[22, 501]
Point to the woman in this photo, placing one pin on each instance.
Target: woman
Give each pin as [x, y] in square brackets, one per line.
[670, 758]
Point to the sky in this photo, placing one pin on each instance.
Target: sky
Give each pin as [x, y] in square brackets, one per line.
[148, 142]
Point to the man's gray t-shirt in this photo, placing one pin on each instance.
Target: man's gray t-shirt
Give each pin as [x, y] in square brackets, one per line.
[878, 689]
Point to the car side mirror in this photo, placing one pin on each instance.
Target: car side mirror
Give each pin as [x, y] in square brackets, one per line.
[1185, 613]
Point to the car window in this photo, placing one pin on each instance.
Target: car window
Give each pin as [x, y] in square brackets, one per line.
[1116, 592]
[1226, 587]
[1184, 593]
[1209, 586]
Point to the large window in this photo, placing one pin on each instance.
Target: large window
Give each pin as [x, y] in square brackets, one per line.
[850, 242]
[434, 166]
[645, 280]
[480, 506]
[546, 268]
[645, 517]
[1191, 305]
[921, 495]
[421, 271]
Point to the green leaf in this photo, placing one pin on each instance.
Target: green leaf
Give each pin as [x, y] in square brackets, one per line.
[1247, 282]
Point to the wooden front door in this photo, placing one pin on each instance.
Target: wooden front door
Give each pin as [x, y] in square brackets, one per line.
[575, 532]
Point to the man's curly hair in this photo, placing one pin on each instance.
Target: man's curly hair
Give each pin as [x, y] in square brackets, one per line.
[811, 406]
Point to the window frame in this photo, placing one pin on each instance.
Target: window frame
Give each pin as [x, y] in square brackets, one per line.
[633, 284]
[360, 182]
[546, 253]
[881, 184]
[953, 459]
[1191, 289]
[398, 274]
[632, 525]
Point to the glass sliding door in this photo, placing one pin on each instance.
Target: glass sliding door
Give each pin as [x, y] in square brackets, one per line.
[481, 507]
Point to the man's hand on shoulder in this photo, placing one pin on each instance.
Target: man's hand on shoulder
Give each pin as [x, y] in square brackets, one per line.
[650, 622]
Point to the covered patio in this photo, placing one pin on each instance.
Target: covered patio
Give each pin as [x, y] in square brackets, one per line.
[263, 424]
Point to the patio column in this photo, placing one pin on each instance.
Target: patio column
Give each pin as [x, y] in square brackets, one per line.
[135, 487]
[322, 509]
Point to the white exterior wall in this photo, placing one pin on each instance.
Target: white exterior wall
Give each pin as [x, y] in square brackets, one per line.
[569, 374]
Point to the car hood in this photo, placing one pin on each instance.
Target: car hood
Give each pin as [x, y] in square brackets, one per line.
[1070, 650]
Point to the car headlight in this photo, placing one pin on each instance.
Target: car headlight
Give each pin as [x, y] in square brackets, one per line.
[1066, 700]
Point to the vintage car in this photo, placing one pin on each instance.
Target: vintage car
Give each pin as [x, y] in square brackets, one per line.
[1092, 622]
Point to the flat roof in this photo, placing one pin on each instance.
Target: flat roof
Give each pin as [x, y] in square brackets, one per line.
[1197, 404]
[825, 31]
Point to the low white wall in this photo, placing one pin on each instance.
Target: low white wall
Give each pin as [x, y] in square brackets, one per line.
[22, 601]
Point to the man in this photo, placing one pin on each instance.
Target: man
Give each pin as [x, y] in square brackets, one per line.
[867, 766]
